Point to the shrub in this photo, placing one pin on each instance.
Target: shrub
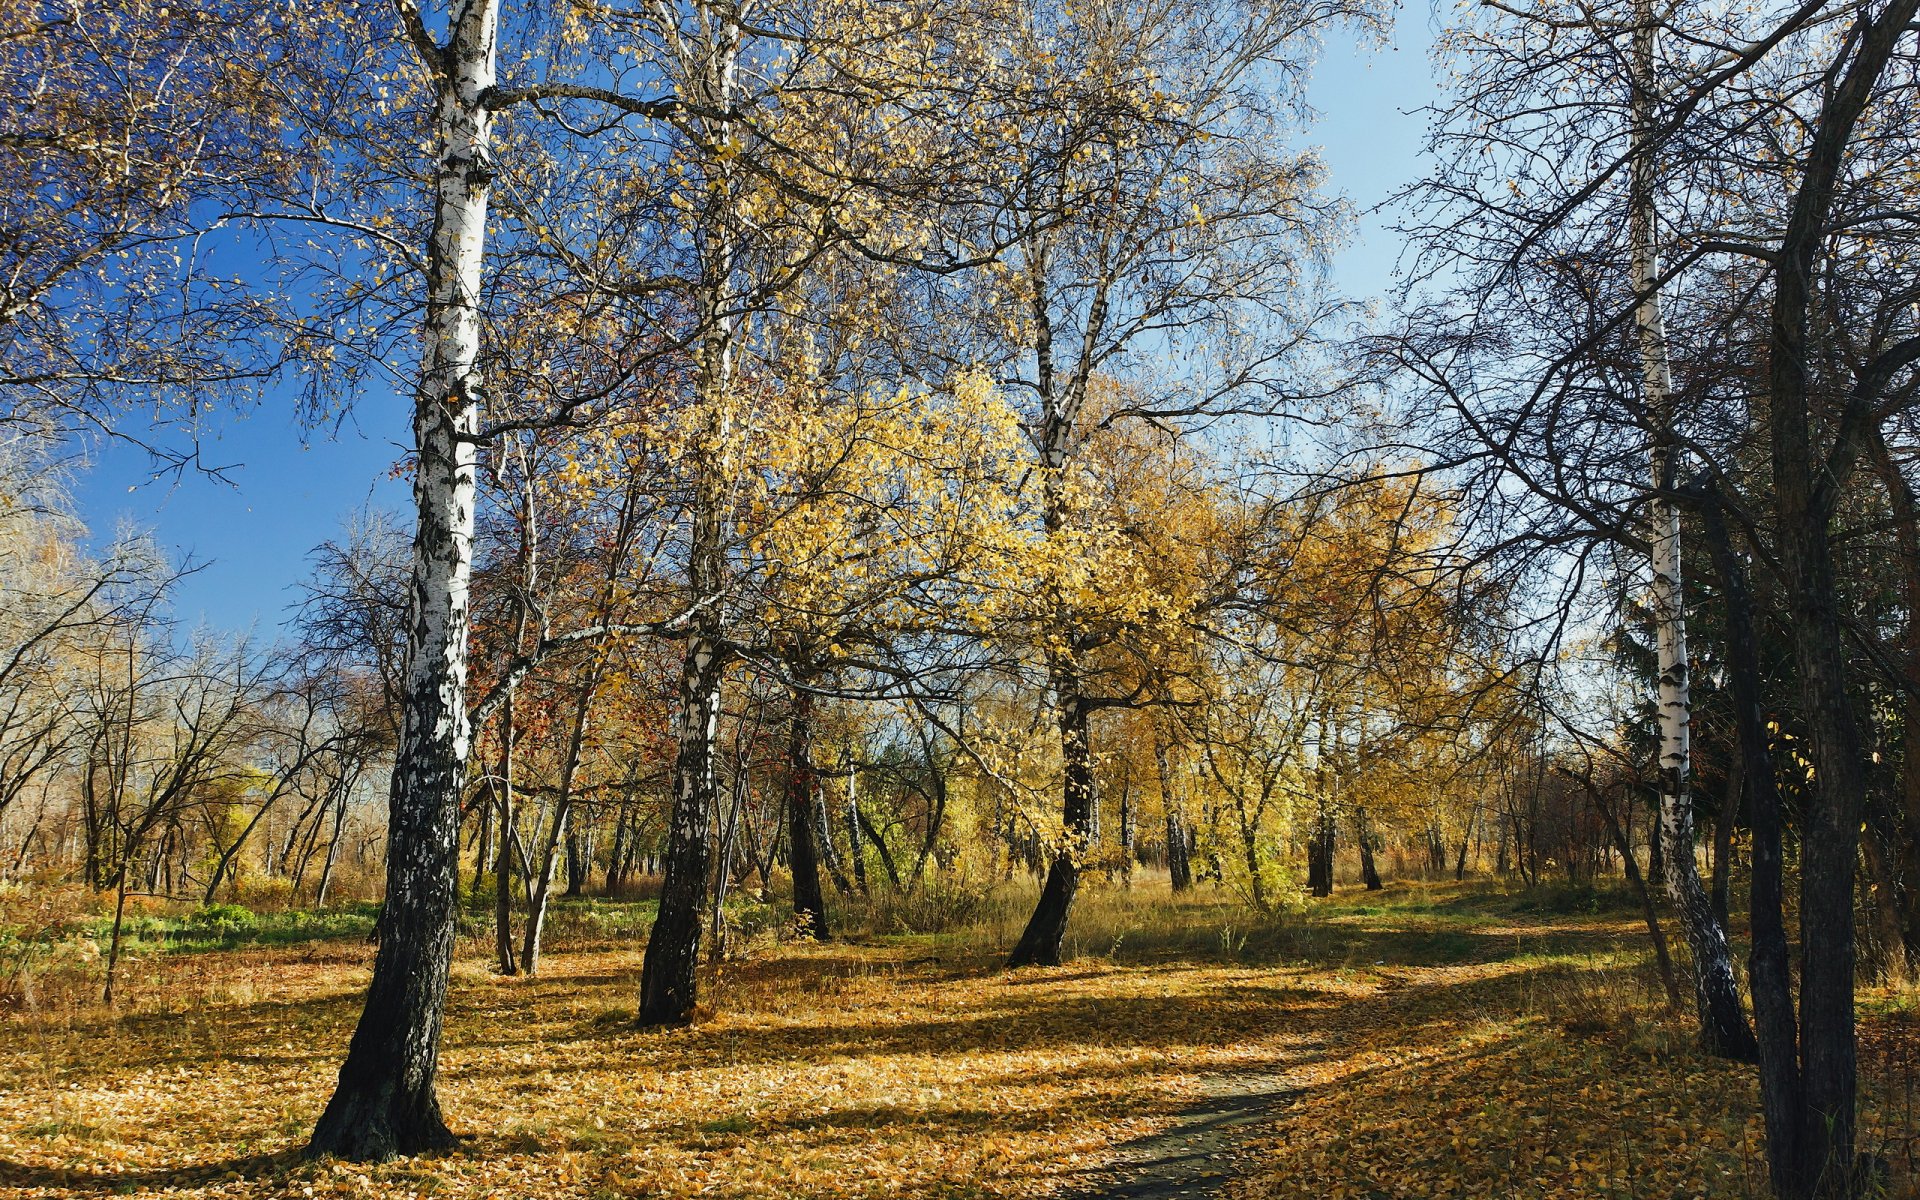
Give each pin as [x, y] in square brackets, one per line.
[265, 893]
[936, 907]
[222, 920]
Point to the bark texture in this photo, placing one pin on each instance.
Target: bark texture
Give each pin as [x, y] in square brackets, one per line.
[669, 976]
[1723, 1023]
[669, 983]
[1822, 1159]
[1179, 858]
[1040, 943]
[385, 1104]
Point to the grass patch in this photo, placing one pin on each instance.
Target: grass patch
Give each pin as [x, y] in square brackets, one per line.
[1436, 1039]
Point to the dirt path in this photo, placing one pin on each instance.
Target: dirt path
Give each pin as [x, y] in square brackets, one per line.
[1226, 1133]
[1195, 1155]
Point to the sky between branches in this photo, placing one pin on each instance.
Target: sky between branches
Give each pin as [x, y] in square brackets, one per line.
[287, 491]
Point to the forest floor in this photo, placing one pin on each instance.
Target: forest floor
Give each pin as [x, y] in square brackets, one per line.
[1434, 1040]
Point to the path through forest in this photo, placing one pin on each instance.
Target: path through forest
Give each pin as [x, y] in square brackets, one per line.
[1203, 1148]
[1435, 1042]
[1446, 1053]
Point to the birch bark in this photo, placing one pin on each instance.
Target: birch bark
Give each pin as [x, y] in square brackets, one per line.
[385, 1104]
[708, 60]
[1723, 1023]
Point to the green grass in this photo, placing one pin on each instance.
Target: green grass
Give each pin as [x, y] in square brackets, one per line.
[185, 935]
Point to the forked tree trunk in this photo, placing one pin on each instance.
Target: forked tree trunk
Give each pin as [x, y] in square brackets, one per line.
[1250, 848]
[1320, 848]
[1782, 1098]
[1805, 495]
[333, 849]
[385, 1103]
[1723, 1023]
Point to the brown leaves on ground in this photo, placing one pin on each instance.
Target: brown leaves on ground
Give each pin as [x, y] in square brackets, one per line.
[1447, 1086]
[1429, 1062]
[829, 1071]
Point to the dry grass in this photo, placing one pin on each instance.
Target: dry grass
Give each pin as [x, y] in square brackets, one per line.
[1444, 1044]
[866, 1070]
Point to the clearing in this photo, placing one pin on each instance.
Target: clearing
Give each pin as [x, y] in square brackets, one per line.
[1430, 1041]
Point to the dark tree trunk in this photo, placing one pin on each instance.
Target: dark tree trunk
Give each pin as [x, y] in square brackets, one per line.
[1046, 930]
[1901, 835]
[1179, 851]
[1883, 885]
[505, 960]
[1805, 495]
[1179, 858]
[1656, 857]
[879, 844]
[1320, 849]
[617, 856]
[1363, 837]
[669, 977]
[1250, 851]
[1723, 836]
[579, 863]
[1782, 1099]
[483, 844]
[803, 799]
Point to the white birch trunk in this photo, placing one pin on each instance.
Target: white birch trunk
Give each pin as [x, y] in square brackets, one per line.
[1723, 1023]
[706, 59]
[385, 1104]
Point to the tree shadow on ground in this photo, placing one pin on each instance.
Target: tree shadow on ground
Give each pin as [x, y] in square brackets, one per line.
[534, 1035]
[276, 1166]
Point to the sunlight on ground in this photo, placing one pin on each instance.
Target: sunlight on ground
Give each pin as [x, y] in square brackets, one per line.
[1437, 1052]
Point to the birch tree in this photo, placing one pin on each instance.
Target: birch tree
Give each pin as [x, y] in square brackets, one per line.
[385, 1103]
[1723, 1023]
[1540, 207]
[1159, 211]
[1775, 132]
[809, 129]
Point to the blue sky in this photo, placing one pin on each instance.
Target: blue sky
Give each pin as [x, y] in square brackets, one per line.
[292, 489]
